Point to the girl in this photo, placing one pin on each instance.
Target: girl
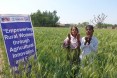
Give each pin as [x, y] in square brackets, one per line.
[72, 43]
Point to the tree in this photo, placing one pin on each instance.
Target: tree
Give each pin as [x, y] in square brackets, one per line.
[98, 20]
[45, 18]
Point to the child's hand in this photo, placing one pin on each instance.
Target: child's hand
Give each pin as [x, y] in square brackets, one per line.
[87, 40]
[69, 38]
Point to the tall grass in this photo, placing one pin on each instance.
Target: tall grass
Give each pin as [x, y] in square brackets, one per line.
[51, 57]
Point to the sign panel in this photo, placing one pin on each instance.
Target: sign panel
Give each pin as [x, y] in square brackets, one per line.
[18, 37]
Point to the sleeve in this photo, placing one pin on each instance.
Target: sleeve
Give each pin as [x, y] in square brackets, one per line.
[94, 45]
[65, 44]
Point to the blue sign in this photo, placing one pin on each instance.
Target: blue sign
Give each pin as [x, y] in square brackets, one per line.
[18, 37]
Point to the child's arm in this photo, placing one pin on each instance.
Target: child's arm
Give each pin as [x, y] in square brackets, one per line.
[66, 42]
[69, 38]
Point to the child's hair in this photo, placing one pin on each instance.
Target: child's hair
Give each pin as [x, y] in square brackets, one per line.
[90, 26]
[75, 28]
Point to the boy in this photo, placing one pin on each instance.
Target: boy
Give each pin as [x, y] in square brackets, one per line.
[89, 43]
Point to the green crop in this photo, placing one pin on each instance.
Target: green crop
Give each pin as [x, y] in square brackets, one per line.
[52, 57]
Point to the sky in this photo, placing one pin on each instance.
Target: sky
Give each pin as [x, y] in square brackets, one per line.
[69, 11]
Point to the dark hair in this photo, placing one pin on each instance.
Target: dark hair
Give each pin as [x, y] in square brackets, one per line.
[89, 26]
[75, 28]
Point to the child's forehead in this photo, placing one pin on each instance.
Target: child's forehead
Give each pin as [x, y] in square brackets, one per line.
[74, 28]
[89, 27]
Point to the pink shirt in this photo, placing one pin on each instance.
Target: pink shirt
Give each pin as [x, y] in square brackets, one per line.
[73, 42]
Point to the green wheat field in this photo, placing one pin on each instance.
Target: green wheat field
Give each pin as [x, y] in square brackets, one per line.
[51, 57]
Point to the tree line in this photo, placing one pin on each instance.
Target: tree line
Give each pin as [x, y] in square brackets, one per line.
[45, 18]
[50, 19]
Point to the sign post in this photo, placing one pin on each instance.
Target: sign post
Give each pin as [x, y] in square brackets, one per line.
[18, 37]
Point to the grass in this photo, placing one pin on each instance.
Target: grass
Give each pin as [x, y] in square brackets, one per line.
[51, 57]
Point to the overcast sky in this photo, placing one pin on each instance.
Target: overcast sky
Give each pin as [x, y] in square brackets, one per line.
[69, 11]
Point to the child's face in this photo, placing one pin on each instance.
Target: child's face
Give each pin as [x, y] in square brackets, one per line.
[89, 31]
[74, 31]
